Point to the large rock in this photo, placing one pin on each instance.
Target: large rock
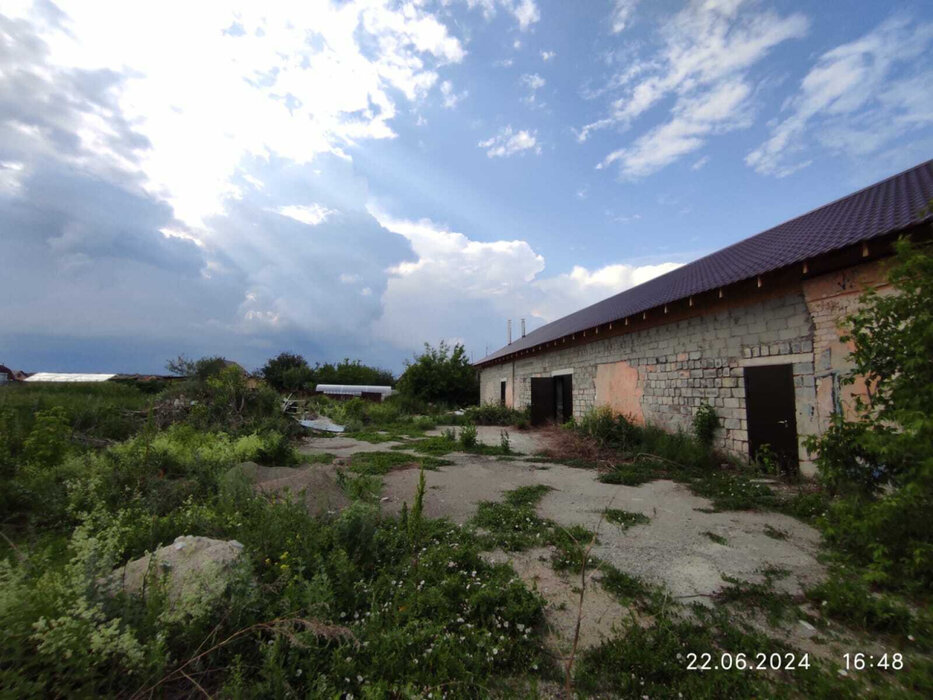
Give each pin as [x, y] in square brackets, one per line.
[195, 569]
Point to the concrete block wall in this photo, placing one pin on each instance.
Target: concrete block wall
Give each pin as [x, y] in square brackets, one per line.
[684, 363]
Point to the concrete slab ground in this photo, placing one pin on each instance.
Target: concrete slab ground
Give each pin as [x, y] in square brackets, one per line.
[674, 549]
[683, 548]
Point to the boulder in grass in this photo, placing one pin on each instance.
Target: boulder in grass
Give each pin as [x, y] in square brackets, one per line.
[193, 572]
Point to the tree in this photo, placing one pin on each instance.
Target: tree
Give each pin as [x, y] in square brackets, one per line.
[287, 372]
[352, 372]
[181, 366]
[885, 455]
[440, 375]
[202, 369]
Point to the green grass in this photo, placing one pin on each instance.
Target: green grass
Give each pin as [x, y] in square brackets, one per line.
[625, 588]
[360, 487]
[775, 533]
[377, 463]
[631, 474]
[652, 661]
[777, 606]
[718, 539]
[389, 432]
[846, 598]
[625, 519]
[104, 410]
[515, 526]
[439, 445]
[733, 492]
[318, 458]
[527, 495]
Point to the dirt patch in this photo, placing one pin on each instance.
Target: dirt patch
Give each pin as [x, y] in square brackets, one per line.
[317, 483]
[600, 613]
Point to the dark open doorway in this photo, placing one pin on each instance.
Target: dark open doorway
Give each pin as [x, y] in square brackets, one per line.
[502, 392]
[772, 413]
[551, 399]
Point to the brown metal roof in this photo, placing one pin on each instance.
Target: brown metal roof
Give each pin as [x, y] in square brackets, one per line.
[886, 207]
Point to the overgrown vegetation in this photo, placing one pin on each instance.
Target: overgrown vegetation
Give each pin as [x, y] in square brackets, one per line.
[364, 605]
[881, 460]
[636, 442]
[353, 604]
[441, 375]
[384, 462]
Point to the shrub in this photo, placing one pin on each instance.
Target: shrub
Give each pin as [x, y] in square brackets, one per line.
[884, 457]
[494, 414]
[468, 437]
[620, 433]
[505, 445]
[440, 375]
[705, 424]
[287, 372]
[849, 600]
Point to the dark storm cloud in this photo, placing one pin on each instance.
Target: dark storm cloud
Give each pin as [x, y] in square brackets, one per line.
[42, 107]
[90, 281]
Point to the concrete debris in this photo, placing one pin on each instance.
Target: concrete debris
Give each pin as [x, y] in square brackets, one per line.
[323, 424]
[191, 567]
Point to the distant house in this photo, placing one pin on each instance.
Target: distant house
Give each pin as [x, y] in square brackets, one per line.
[751, 330]
[349, 391]
[6, 375]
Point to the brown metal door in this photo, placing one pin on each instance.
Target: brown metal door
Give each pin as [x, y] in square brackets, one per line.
[772, 414]
[542, 400]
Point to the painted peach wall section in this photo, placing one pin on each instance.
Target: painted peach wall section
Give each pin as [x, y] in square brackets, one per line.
[830, 298]
[618, 388]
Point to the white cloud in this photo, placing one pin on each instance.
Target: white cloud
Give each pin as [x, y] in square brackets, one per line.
[310, 214]
[508, 142]
[451, 98]
[574, 290]
[548, 55]
[707, 51]
[699, 164]
[460, 287]
[525, 12]
[291, 78]
[533, 82]
[853, 100]
[695, 118]
[10, 173]
[622, 11]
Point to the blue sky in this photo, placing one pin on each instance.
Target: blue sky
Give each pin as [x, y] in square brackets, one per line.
[357, 178]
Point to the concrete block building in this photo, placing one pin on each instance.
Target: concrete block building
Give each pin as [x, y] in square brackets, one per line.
[752, 329]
